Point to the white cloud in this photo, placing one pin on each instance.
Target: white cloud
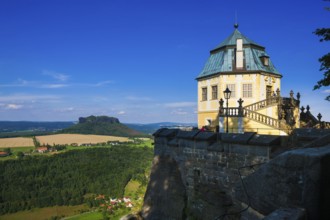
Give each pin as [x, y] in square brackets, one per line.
[69, 109]
[326, 91]
[121, 113]
[13, 106]
[54, 86]
[26, 98]
[180, 104]
[103, 83]
[179, 112]
[138, 98]
[56, 75]
[19, 83]
[23, 82]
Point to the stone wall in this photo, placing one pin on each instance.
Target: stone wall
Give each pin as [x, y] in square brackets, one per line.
[199, 175]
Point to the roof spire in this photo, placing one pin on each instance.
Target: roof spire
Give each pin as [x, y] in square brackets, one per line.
[236, 24]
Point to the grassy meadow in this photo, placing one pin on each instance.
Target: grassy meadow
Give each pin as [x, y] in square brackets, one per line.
[45, 213]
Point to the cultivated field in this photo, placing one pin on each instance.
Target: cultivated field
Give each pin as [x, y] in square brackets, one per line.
[16, 142]
[59, 139]
[77, 138]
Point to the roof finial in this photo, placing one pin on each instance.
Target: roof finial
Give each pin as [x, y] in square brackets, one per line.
[236, 24]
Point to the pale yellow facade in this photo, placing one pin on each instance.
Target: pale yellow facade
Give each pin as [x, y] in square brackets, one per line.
[265, 111]
[208, 110]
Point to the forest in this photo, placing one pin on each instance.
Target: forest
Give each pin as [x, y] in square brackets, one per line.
[69, 178]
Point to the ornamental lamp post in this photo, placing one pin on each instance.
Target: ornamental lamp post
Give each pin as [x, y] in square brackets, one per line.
[227, 94]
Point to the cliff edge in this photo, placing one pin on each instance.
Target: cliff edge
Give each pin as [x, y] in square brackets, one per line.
[205, 175]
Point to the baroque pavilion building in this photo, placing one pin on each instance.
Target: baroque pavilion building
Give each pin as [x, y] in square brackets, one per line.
[254, 84]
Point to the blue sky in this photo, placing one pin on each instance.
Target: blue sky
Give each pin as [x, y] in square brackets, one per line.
[138, 59]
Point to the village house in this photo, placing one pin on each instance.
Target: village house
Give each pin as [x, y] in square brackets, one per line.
[128, 205]
[42, 149]
[4, 154]
[126, 199]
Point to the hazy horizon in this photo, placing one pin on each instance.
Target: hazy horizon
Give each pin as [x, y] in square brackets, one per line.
[159, 122]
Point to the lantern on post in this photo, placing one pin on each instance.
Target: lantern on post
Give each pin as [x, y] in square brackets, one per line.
[227, 94]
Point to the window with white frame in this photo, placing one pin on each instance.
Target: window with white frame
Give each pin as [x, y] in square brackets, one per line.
[204, 94]
[214, 92]
[232, 88]
[247, 90]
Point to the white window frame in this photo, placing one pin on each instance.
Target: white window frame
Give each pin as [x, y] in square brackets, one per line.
[247, 90]
[214, 93]
[204, 94]
[232, 88]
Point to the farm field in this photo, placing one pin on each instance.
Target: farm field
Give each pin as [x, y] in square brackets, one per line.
[67, 139]
[16, 142]
[62, 139]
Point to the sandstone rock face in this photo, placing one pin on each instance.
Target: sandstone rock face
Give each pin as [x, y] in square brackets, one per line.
[287, 213]
[198, 176]
[297, 178]
[165, 196]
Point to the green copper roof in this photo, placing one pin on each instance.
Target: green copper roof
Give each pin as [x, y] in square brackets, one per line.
[222, 58]
[231, 40]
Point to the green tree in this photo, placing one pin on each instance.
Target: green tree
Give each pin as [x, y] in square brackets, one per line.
[324, 34]
[20, 154]
[36, 142]
[7, 150]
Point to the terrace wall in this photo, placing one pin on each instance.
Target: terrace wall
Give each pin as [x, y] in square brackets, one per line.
[199, 175]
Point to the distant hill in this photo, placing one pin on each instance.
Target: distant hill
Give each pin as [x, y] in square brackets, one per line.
[110, 124]
[13, 126]
[152, 127]
[30, 128]
[102, 125]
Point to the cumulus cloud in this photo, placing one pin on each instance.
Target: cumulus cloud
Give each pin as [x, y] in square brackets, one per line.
[326, 91]
[56, 75]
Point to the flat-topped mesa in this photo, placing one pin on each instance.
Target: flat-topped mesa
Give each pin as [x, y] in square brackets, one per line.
[98, 119]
